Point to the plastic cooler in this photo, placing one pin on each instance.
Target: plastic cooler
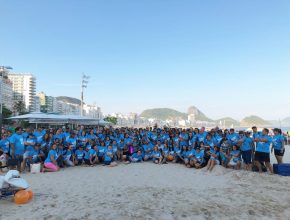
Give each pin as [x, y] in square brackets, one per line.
[282, 169]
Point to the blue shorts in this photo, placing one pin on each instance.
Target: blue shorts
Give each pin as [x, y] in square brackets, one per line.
[247, 156]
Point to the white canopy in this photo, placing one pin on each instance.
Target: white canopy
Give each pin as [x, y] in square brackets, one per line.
[52, 118]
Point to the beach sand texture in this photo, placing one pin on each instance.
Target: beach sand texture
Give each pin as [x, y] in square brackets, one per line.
[149, 191]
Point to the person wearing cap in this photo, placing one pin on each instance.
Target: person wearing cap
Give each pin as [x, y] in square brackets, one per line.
[262, 154]
[278, 145]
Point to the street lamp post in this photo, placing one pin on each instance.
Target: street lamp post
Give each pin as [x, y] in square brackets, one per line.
[3, 70]
[84, 84]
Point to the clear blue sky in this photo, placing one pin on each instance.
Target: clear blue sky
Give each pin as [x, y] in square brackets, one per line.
[228, 58]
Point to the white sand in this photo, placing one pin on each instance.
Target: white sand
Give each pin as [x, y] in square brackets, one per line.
[149, 191]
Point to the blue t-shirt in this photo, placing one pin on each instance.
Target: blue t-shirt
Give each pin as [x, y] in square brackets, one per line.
[51, 153]
[237, 157]
[79, 154]
[199, 155]
[136, 157]
[264, 146]
[201, 137]
[277, 142]
[101, 150]
[107, 157]
[38, 135]
[4, 145]
[30, 147]
[68, 154]
[156, 154]
[18, 141]
[247, 144]
[90, 154]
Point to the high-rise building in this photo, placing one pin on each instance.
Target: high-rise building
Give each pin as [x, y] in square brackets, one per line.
[6, 91]
[47, 103]
[24, 86]
[93, 111]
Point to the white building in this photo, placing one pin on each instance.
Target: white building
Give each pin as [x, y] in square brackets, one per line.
[92, 111]
[24, 86]
[68, 108]
[6, 91]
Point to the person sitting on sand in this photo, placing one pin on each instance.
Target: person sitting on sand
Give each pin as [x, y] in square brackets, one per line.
[101, 152]
[69, 157]
[225, 152]
[235, 161]
[156, 155]
[198, 159]
[109, 157]
[136, 157]
[90, 156]
[147, 148]
[50, 164]
[214, 158]
[79, 155]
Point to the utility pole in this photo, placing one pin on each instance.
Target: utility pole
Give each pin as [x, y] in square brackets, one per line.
[84, 84]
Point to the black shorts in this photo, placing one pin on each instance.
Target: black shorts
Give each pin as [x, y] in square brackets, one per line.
[247, 156]
[279, 153]
[262, 157]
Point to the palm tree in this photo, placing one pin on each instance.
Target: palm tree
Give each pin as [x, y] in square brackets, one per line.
[18, 107]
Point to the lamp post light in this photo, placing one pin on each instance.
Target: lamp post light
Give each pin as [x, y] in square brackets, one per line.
[3, 70]
[84, 84]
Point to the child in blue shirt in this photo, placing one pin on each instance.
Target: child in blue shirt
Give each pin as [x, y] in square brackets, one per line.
[214, 158]
[235, 161]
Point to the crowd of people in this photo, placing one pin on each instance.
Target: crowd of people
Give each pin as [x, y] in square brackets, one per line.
[58, 148]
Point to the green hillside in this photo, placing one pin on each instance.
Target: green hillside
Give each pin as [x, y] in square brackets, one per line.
[69, 100]
[163, 114]
[227, 122]
[254, 120]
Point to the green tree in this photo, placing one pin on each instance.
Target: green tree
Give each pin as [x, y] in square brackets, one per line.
[111, 119]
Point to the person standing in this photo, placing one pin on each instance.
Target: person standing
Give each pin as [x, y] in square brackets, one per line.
[262, 154]
[278, 145]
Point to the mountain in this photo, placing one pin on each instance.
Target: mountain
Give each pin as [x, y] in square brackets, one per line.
[199, 116]
[286, 121]
[227, 122]
[167, 113]
[163, 114]
[254, 120]
[69, 100]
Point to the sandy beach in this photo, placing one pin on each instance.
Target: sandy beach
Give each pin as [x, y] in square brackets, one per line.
[148, 191]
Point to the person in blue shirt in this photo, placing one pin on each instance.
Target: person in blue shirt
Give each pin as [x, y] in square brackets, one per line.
[109, 157]
[72, 140]
[198, 158]
[35, 156]
[235, 161]
[209, 143]
[156, 155]
[69, 157]
[201, 136]
[90, 156]
[278, 145]
[136, 157]
[246, 146]
[79, 156]
[101, 152]
[262, 154]
[214, 158]
[147, 148]
[17, 148]
[50, 164]
[4, 144]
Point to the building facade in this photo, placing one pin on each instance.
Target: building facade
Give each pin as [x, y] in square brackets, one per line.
[6, 97]
[24, 86]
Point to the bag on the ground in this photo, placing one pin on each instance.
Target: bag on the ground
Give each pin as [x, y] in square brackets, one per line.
[35, 168]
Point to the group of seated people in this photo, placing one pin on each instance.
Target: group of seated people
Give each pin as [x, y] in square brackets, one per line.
[195, 148]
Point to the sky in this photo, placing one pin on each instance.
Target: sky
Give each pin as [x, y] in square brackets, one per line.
[228, 58]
